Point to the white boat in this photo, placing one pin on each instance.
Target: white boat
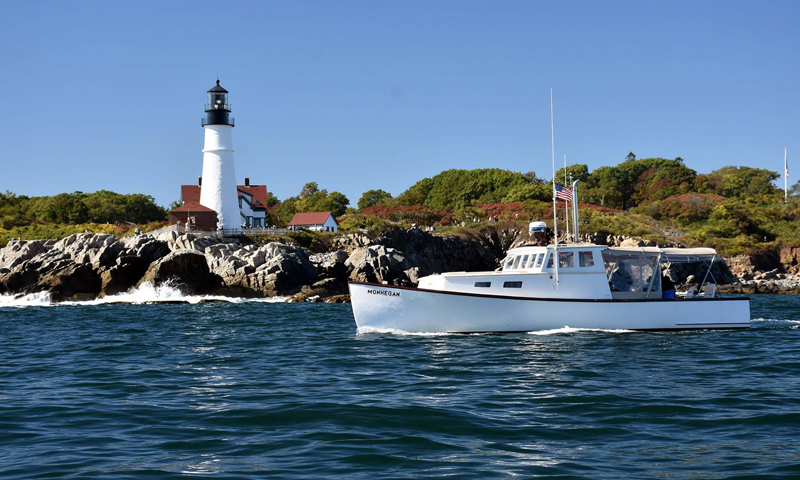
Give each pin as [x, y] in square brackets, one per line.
[544, 288]
[591, 286]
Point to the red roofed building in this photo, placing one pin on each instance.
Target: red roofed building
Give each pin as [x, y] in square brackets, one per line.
[252, 202]
[320, 221]
[195, 216]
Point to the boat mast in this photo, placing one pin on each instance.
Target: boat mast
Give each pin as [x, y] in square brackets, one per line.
[566, 203]
[785, 178]
[555, 212]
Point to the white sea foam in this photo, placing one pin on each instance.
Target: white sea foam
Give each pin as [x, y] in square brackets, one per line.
[567, 329]
[40, 299]
[144, 294]
[394, 331]
[775, 322]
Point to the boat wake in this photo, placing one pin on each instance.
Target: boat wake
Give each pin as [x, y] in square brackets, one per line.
[143, 294]
[567, 329]
[394, 331]
[555, 331]
[774, 323]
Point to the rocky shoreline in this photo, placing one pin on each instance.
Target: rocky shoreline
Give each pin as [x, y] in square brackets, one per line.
[88, 266]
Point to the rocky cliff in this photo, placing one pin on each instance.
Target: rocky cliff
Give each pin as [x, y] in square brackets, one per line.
[86, 266]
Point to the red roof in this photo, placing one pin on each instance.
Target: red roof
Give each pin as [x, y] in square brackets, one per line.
[258, 192]
[192, 207]
[310, 218]
[191, 193]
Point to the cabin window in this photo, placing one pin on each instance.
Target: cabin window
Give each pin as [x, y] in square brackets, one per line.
[539, 260]
[516, 263]
[586, 259]
[509, 261]
[483, 284]
[512, 284]
[524, 263]
[550, 261]
[566, 259]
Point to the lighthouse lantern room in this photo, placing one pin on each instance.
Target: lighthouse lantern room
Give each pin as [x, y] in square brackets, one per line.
[219, 177]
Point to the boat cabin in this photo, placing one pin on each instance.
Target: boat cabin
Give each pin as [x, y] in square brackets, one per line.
[577, 271]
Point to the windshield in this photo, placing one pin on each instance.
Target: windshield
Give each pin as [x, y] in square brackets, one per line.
[632, 272]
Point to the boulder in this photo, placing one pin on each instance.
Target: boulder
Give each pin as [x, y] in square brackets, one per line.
[331, 264]
[185, 269]
[99, 250]
[320, 291]
[70, 281]
[377, 264]
[192, 241]
[123, 276]
[16, 252]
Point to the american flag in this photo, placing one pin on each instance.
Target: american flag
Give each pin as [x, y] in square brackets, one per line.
[564, 193]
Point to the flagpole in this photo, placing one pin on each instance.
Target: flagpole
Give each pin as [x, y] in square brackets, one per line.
[566, 203]
[785, 177]
[555, 212]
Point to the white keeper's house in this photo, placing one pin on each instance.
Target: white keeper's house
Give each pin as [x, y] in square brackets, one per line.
[320, 221]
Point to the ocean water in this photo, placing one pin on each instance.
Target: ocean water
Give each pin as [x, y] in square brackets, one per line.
[273, 390]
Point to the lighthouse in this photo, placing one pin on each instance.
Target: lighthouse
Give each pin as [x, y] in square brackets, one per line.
[219, 191]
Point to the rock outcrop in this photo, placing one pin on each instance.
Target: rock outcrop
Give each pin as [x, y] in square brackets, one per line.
[84, 266]
[185, 269]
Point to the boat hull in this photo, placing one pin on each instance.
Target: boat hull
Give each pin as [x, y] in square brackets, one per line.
[419, 310]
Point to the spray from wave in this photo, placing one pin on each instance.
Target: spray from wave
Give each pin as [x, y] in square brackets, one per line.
[146, 293]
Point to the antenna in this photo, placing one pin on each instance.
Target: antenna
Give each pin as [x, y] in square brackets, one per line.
[555, 213]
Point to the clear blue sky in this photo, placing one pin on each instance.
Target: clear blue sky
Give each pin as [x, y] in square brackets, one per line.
[379, 94]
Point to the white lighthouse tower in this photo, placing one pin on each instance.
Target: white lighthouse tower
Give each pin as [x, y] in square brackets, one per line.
[218, 190]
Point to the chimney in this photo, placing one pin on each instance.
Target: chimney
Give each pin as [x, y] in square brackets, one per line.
[246, 181]
[200, 181]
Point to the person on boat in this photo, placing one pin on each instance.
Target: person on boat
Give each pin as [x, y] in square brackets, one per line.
[667, 287]
[621, 280]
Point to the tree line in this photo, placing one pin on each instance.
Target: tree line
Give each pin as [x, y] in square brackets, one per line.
[102, 206]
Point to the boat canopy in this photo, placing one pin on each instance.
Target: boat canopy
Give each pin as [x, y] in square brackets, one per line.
[675, 255]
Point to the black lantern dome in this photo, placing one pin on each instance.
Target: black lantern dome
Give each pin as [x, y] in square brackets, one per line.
[218, 108]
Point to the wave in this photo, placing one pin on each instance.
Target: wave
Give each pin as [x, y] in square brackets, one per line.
[395, 331]
[774, 322]
[39, 299]
[567, 329]
[146, 293]
[555, 331]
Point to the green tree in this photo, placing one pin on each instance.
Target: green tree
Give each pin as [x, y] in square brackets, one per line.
[455, 189]
[309, 190]
[285, 212]
[578, 171]
[735, 181]
[337, 203]
[374, 197]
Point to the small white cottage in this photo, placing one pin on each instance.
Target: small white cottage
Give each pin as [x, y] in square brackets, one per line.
[320, 221]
